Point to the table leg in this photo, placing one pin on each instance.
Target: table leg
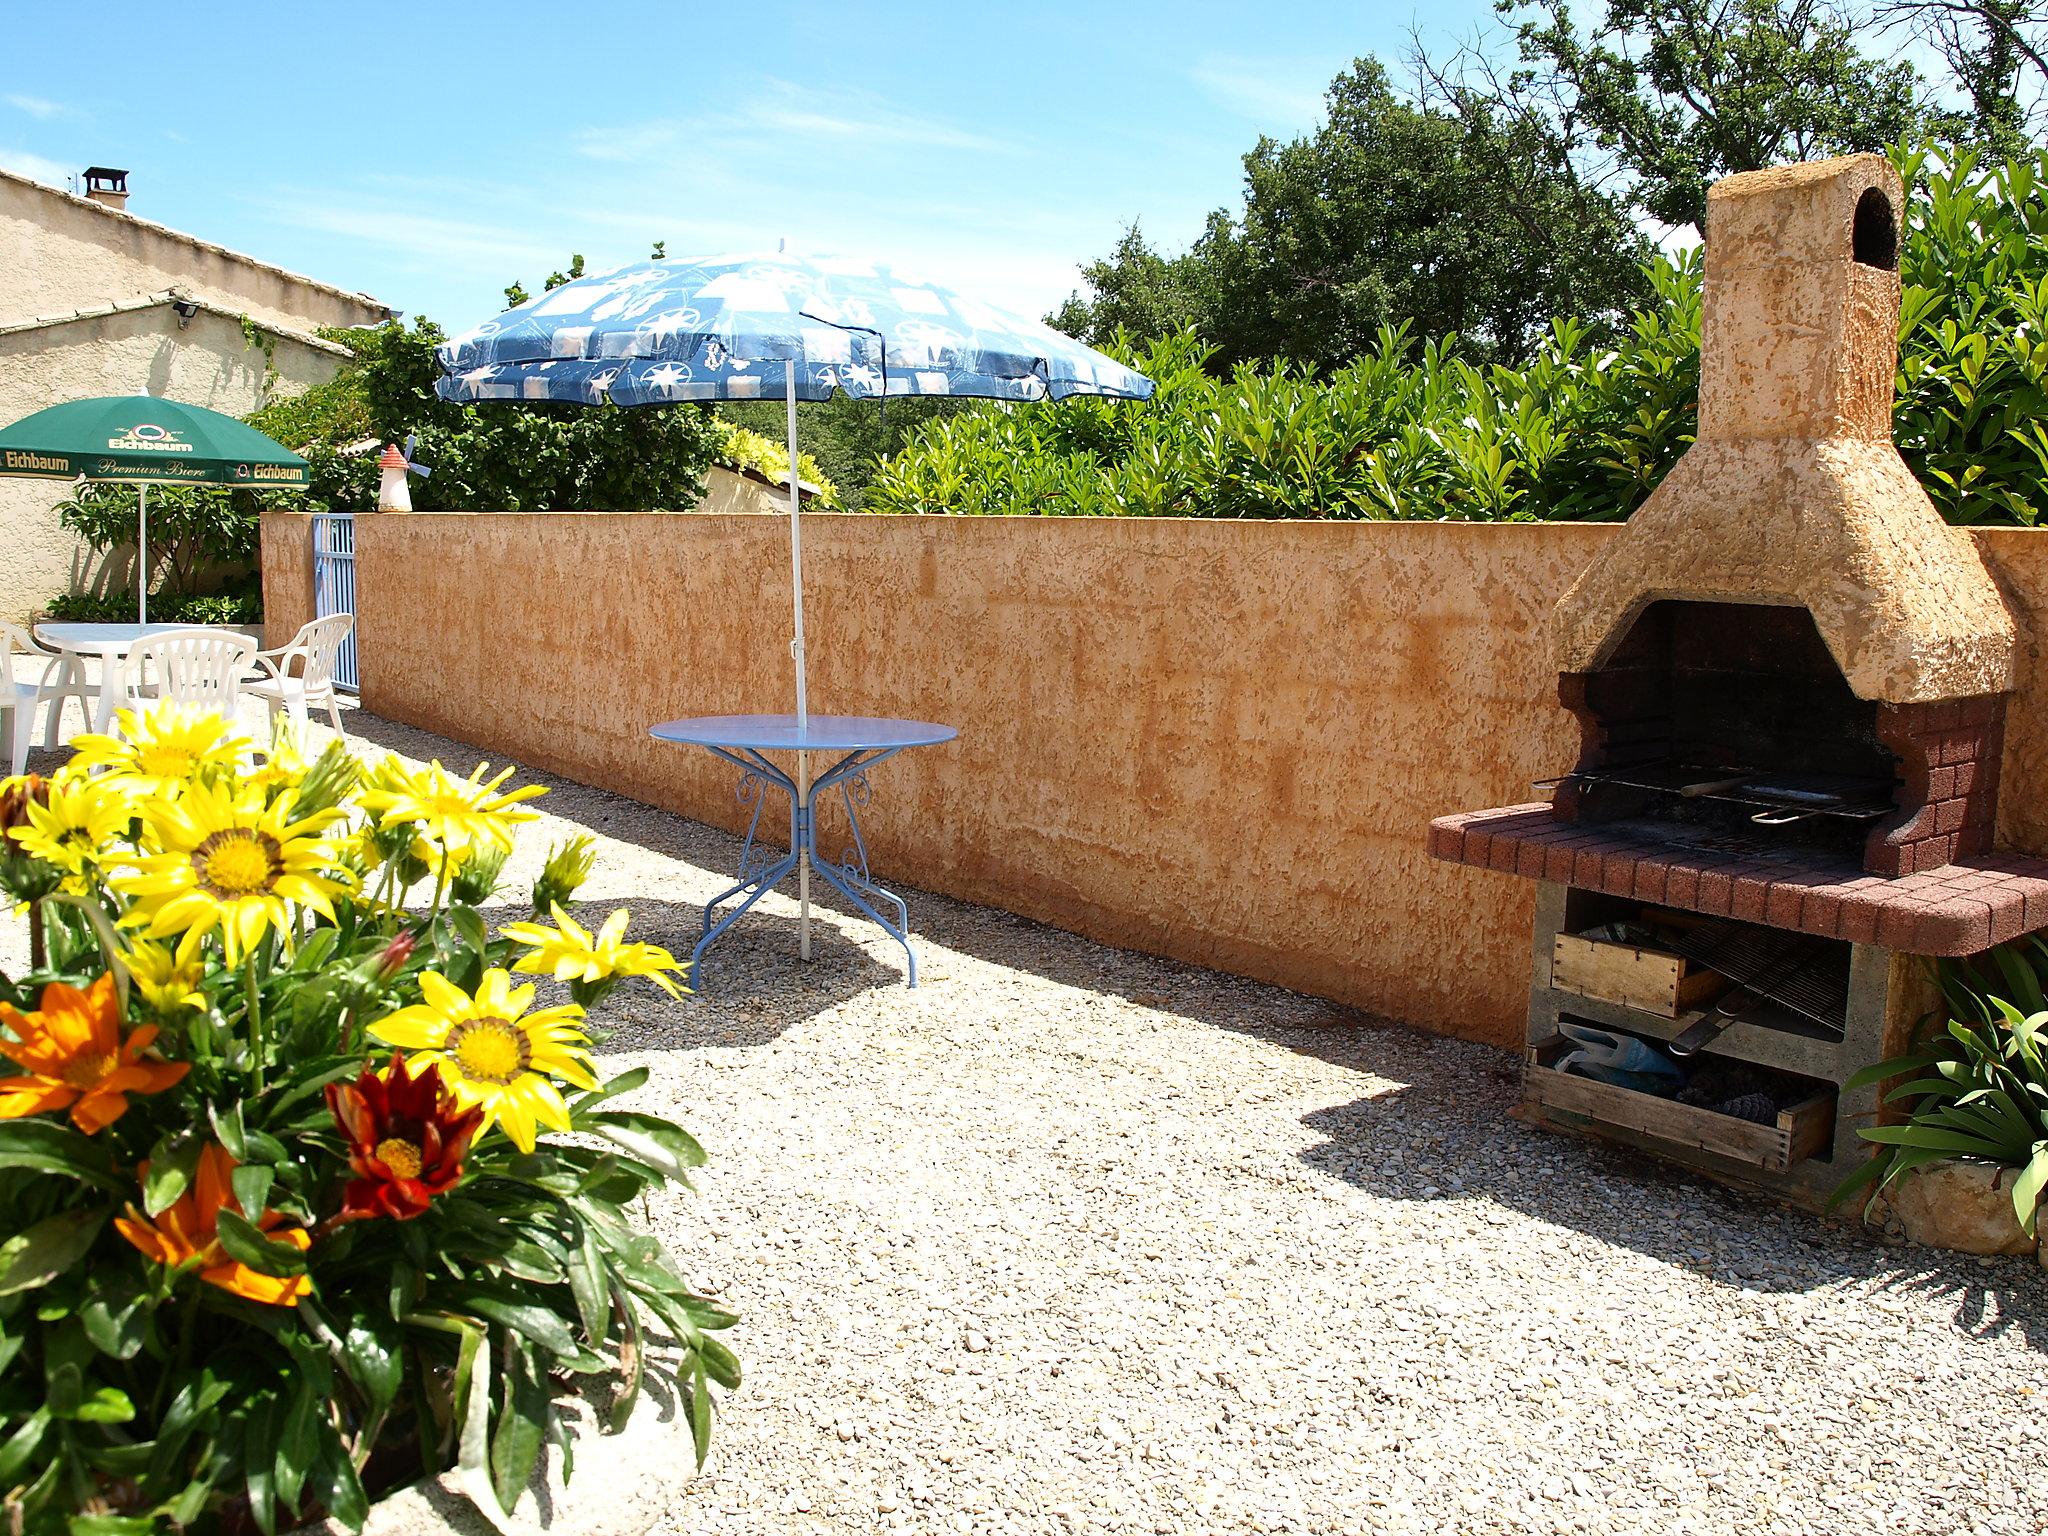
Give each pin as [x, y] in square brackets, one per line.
[850, 877]
[803, 866]
[760, 872]
[111, 673]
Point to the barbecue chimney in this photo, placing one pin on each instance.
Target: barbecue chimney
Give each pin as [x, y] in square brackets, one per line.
[1793, 493]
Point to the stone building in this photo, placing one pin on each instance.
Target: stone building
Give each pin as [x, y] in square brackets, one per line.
[96, 301]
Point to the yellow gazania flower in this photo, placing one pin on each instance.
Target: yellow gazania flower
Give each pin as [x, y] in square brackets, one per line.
[569, 952]
[161, 748]
[284, 764]
[492, 1054]
[453, 812]
[73, 1056]
[74, 827]
[167, 981]
[231, 862]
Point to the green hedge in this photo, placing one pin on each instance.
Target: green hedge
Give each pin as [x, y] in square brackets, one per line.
[1583, 431]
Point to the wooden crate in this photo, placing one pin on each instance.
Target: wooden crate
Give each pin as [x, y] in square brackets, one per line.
[1650, 979]
[1801, 1131]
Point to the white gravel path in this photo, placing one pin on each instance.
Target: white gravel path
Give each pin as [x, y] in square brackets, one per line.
[1074, 1239]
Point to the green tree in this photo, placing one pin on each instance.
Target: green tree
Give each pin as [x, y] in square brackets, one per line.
[1682, 92]
[1996, 53]
[1441, 215]
[1137, 289]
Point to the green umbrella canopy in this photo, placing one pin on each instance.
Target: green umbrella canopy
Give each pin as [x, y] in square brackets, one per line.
[139, 438]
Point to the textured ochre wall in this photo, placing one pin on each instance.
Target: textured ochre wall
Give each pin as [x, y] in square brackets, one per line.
[1215, 740]
[287, 561]
[60, 253]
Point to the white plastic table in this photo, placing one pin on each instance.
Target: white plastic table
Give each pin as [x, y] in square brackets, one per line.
[864, 741]
[110, 643]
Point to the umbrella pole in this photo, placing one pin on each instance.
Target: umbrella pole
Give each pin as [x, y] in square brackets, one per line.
[142, 552]
[796, 650]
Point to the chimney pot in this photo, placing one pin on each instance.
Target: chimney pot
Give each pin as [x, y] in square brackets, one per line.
[107, 186]
[1801, 316]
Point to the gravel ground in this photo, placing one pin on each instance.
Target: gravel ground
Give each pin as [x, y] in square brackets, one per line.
[1075, 1239]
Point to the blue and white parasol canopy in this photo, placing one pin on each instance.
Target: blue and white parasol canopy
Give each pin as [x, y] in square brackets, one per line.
[722, 328]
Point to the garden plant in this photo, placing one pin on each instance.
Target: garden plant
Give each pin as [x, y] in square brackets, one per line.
[1976, 1087]
[1584, 429]
[304, 1189]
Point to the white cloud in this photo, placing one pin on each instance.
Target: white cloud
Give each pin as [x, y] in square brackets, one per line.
[37, 106]
[425, 238]
[39, 167]
[777, 108]
[1277, 95]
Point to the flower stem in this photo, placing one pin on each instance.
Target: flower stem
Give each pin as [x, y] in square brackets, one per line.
[255, 1013]
[36, 955]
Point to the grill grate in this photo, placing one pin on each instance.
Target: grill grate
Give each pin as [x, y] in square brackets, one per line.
[1807, 975]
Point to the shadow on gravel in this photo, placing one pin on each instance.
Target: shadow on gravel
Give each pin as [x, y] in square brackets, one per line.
[753, 987]
[756, 956]
[1431, 1146]
[1440, 1129]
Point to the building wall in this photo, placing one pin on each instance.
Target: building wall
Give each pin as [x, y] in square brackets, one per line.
[60, 253]
[208, 362]
[1220, 741]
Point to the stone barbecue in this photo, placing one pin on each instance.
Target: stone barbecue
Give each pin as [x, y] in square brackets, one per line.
[1790, 680]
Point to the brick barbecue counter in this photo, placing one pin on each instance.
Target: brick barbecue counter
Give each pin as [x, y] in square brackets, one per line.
[1955, 909]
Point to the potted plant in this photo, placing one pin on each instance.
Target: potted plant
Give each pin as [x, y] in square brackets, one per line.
[1967, 1165]
[303, 1188]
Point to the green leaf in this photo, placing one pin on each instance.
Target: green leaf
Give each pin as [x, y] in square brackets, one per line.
[590, 1288]
[259, 1462]
[110, 1525]
[104, 1405]
[298, 1444]
[538, 1323]
[227, 1127]
[2027, 1188]
[661, 1145]
[374, 1349]
[522, 1426]
[245, 1244]
[18, 1447]
[470, 924]
[473, 1447]
[37, 1255]
[46, 1146]
[625, 1082]
[117, 1313]
[172, 1162]
[252, 1183]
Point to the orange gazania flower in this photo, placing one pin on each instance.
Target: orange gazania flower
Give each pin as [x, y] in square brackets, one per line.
[74, 1057]
[188, 1230]
[406, 1140]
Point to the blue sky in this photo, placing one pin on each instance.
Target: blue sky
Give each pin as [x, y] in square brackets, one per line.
[429, 153]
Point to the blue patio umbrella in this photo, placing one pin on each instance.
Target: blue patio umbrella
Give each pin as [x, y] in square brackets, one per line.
[769, 327]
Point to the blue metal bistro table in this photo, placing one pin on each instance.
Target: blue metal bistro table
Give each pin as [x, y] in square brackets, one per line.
[860, 742]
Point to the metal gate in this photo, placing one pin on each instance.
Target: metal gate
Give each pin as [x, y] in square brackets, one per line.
[334, 584]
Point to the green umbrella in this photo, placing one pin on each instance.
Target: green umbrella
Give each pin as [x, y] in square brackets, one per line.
[145, 441]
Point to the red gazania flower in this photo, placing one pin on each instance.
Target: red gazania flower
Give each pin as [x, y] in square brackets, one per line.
[406, 1140]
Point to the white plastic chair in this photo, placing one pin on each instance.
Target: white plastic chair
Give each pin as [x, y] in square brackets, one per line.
[314, 649]
[201, 667]
[20, 700]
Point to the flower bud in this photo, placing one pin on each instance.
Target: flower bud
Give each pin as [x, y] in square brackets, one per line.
[391, 960]
[565, 871]
[17, 795]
